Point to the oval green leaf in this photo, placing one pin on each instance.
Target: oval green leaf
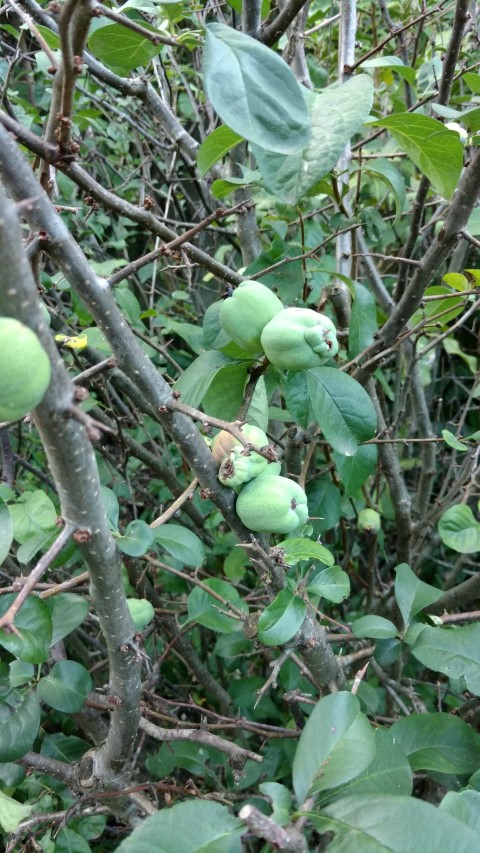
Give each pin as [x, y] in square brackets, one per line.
[282, 619]
[66, 687]
[459, 529]
[254, 91]
[342, 409]
[336, 745]
[376, 627]
[436, 151]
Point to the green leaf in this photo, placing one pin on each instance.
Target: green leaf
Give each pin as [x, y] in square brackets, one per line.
[122, 49]
[20, 672]
[355, 470]
[453, 651]
[336, 114]
[32, 513]
[363, 320]
[19, 723]
[297, 397]
[189, 332]
[445, 309]
[212, 613]
[465, 806]
[392, 824]
[332, 584]
[336, 745]
[257, 414]
[393, 62]
[138, 538]
[35, 626]
[141, 611]
[459, 529]
[215, 146]
[438, 742]
[225, 394]
[67, 748]
[226, 186]
[206, 827]
[197, 378]
[388, 773]
[452, 441]
[181, 543]
[112, 507]
[298, 549]
[254, 91]
[412, 594]
[66, 687]
[281, 620]
[324, 504]
[281, 800]
[69, 841]
[473, 81]
[67, 612]
[12, 812]
[39, 542]
[376, 627]
[436, 151]
[6, 530]
[342, 408]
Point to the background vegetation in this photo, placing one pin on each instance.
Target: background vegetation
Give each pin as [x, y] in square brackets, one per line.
[169, 680]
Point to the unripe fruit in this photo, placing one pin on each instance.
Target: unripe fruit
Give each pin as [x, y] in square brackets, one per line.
[24, 370]
[369, 521]
[238, 468]
[299, 338]
[224, 442]
[270, 504]
[246, 312]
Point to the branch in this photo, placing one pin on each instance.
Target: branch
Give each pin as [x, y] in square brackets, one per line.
[72, 463]
[111, 201]
[462, 15]
[283, 838]
[272, 32]
[455, 221]
[237, 755]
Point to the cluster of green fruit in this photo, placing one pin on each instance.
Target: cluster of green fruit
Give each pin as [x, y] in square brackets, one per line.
[291, 338]
[266, 502]
[24, 370]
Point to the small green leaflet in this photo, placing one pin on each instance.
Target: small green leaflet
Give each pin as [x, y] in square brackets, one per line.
[215, 146]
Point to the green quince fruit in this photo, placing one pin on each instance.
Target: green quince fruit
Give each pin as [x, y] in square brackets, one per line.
[246, 312]
[369, 521]
[299, 338]
[240, 467]
[272, 504]
[224, 441]
[24, 370]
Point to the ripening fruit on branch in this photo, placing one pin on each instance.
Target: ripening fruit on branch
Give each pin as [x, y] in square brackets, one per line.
[271, 504]
[369, 521]
[246, 312]
[239, 468]
[24, 370]
[224, 441]
[299, 338]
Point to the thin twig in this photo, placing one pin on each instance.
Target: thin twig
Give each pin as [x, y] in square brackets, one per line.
[6, 621]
